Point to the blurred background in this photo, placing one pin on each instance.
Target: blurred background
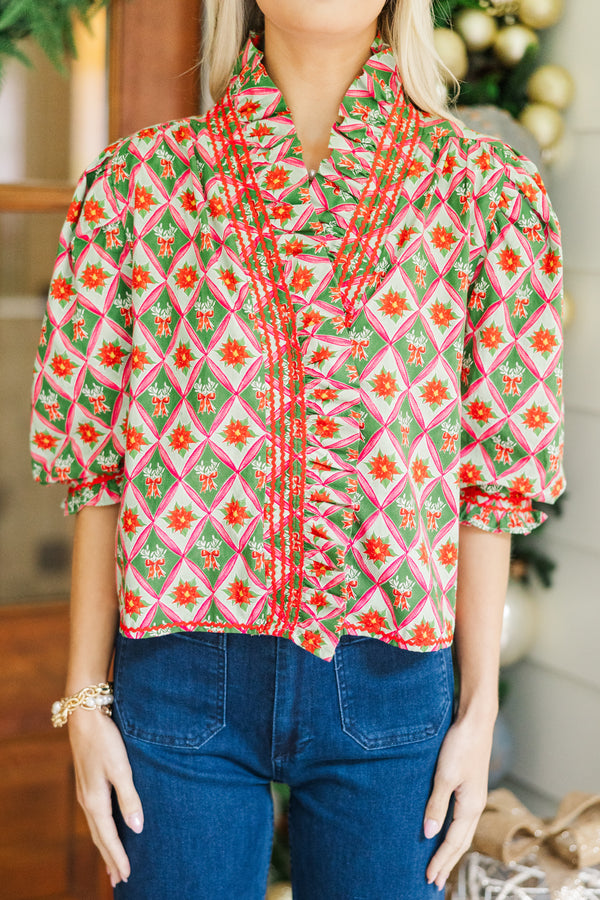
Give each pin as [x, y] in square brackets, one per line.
[136, 65]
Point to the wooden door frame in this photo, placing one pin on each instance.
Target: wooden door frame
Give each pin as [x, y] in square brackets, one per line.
[153, 65]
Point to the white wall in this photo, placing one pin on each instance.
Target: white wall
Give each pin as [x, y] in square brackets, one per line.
[554, 701]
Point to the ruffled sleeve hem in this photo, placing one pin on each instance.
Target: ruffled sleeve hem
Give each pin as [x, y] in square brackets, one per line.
[498, 511]
[103, 491]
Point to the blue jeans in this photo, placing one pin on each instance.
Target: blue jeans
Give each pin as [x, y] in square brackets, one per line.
[210, 720]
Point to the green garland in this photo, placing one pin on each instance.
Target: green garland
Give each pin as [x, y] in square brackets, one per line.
[48, 22]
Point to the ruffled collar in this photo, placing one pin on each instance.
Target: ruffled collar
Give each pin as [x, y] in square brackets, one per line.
[367, 101]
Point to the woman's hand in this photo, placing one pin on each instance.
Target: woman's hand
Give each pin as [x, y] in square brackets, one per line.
[101, 763]
[462, 769]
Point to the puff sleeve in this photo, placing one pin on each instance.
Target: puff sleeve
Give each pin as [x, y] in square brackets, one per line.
[512, 403]
[79, 399]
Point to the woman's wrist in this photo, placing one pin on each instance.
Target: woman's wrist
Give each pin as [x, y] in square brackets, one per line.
[481, 705]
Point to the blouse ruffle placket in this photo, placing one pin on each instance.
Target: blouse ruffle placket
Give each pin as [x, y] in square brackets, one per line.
[371, 148]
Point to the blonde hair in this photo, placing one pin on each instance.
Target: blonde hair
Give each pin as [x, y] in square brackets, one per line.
[406, 25]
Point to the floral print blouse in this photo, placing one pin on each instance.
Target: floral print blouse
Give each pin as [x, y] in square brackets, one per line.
[297, 389]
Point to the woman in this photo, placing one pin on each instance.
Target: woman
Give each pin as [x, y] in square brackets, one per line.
[302, 355]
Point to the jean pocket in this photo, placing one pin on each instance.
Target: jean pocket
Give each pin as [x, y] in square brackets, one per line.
[390, 696]
[170, 689]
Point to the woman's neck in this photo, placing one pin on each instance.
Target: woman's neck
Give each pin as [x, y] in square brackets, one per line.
[313, 73]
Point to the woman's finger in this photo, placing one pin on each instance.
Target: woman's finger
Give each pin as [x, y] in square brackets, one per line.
[456, 843]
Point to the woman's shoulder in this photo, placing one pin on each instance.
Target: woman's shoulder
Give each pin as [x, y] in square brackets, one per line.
[491, 165]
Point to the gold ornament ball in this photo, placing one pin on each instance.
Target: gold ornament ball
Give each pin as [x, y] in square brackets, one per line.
[512, 43]
[477, 29]
[452, 51]
[540, 13]
[568, 309]
[544, 122]
[520, 623]
[552, 85]
[280, 891]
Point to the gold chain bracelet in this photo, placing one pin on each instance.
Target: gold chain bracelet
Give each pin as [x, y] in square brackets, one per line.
[96, 696]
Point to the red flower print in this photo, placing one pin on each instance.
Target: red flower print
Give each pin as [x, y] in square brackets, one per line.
[420, 471]
[73, 211]
[246, 110]
[236, 513]
[434, 392]
[470, 474]
[229, 279]
[182, 133]
[302, 279]
[87, 433]
[415, 169]
[536, 418]
[423, 553]
[510, 261]
[281, 212]
[238, 433]
[181, 439]
[188, 201]
[491, 337]
[528, 190]
[372, 621]
[423, 635]
[448, 554]
[94, 277]
[239, 591]
[44, 441]
[217, 207]
[320, 355]
[133, 603]
[234, 353]
[544, 341]
[183, 357]
[405, 236]
[110, 355]
[93, 212]
[147, 133]
[443, 238]
[377, 550]
[186, 594]
[186, 277]
[325, 395]
[441, 315]
[538, 180]
[311, 319]
[180, 519]
[449, 165]
[262, 130]
[320, 497]
[483, 161]
[139, 359]
[320, 569]
[326, 427]
[393, 305]
[311, 640]
[551, 264]
[61, 366]
[383, 468]
[522, 485]
[384, 385]
[131, 521]
[141, 278]
[61, 289]
[294, 247]
[481, 412]
[134, 439]
[276, 179]
[319, 600]
[144, 201]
